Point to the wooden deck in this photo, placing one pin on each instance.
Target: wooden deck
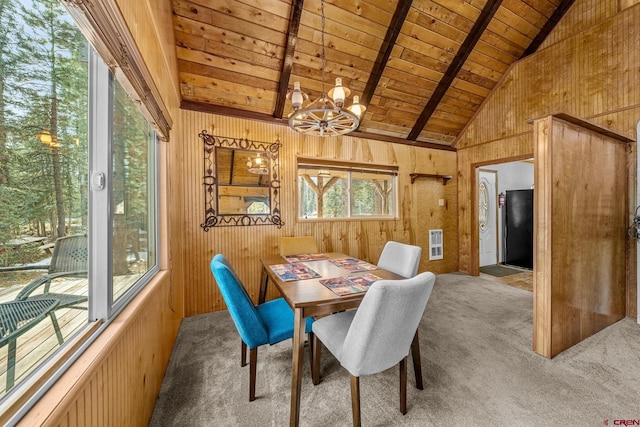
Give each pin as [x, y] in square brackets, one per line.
[40, 342]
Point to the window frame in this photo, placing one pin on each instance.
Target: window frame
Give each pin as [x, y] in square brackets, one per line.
[102, 307]
[349, 168]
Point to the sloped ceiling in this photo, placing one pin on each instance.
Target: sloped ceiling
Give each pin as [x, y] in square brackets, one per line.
[422, 67]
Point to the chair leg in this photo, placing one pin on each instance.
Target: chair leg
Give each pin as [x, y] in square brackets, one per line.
[11, 364]
[315, 360]
[355, 400]
[243, 354]
[253, 361]
[417, 364]
[56, 327]
[403, 386]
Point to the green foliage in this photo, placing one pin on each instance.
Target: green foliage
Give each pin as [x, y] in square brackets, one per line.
[364, 197]
[334, 200]
[43, 85]
[368, 196]
[307, 199]
[131, 151]
[21, 255]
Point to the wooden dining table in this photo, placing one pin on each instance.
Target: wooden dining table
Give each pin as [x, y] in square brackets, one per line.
[309, 297]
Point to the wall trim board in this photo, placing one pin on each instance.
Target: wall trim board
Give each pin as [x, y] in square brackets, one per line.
[589, 126]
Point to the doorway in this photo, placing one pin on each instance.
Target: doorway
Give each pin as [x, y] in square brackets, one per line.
[493, 181]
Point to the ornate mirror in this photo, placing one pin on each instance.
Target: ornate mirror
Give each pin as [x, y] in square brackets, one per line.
[241, 182]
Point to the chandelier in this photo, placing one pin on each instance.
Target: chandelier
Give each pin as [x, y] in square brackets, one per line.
[258, 165]
[327, 115]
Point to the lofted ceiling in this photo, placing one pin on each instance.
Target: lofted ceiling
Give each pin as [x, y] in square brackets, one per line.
[422, 67]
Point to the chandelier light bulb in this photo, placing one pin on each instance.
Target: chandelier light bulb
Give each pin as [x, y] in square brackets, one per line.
[338, 93]
[357, 108]
[296, 97]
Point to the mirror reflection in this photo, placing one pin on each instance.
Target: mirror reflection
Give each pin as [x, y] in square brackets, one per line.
[243, 182]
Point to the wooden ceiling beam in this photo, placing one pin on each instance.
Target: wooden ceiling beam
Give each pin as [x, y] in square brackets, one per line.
[489, 10]
[287, 61]
[261, 117]
[553, 20]
[389, 42]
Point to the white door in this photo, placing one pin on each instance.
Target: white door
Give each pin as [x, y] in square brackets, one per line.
[487, 217]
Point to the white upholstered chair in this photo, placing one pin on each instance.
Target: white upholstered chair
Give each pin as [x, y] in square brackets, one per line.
[400, 258]
[298, 245]
[377, 335]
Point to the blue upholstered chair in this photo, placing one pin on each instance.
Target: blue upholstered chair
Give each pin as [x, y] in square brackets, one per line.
[378, 334]
[268, 323]
[400, 258]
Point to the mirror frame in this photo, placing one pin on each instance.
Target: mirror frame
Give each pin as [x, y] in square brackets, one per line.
[212, 217]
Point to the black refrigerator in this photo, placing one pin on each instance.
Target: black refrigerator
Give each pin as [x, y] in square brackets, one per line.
[517, 230]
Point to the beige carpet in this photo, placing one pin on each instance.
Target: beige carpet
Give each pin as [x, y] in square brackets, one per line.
[478, 366]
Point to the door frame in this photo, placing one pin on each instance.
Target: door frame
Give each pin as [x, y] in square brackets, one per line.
[474, 267]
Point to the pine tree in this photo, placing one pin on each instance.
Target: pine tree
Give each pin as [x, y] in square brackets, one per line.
[9, 62]
[51, 96]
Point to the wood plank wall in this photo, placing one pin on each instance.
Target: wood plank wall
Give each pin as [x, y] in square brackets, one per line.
[591, 75]
[244, 246]
[151, 26]
[117, 380]
[580, 278]
[583, 15]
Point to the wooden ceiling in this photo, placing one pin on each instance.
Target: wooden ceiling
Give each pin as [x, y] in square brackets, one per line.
[422, 67]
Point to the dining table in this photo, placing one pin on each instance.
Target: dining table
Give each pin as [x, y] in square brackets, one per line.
[309, 297]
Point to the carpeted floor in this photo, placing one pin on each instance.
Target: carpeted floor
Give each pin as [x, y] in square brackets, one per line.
[478, 367]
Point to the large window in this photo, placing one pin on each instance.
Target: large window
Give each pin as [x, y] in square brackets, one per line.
[343, 190]
[78, 190]
[133, 202]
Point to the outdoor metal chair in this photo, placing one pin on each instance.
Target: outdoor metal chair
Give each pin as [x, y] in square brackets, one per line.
[70, 259]
[16, 318]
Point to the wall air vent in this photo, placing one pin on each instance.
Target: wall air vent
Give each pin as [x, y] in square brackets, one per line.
[435, 245]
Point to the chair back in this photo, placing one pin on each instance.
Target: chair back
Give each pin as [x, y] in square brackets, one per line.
[400, 258]
[242, 310]
[70, 253]
[298, 245]
[385, 323]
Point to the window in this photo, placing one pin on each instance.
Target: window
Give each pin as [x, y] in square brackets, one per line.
[133, 248]
[343, 190]
[78, 187]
